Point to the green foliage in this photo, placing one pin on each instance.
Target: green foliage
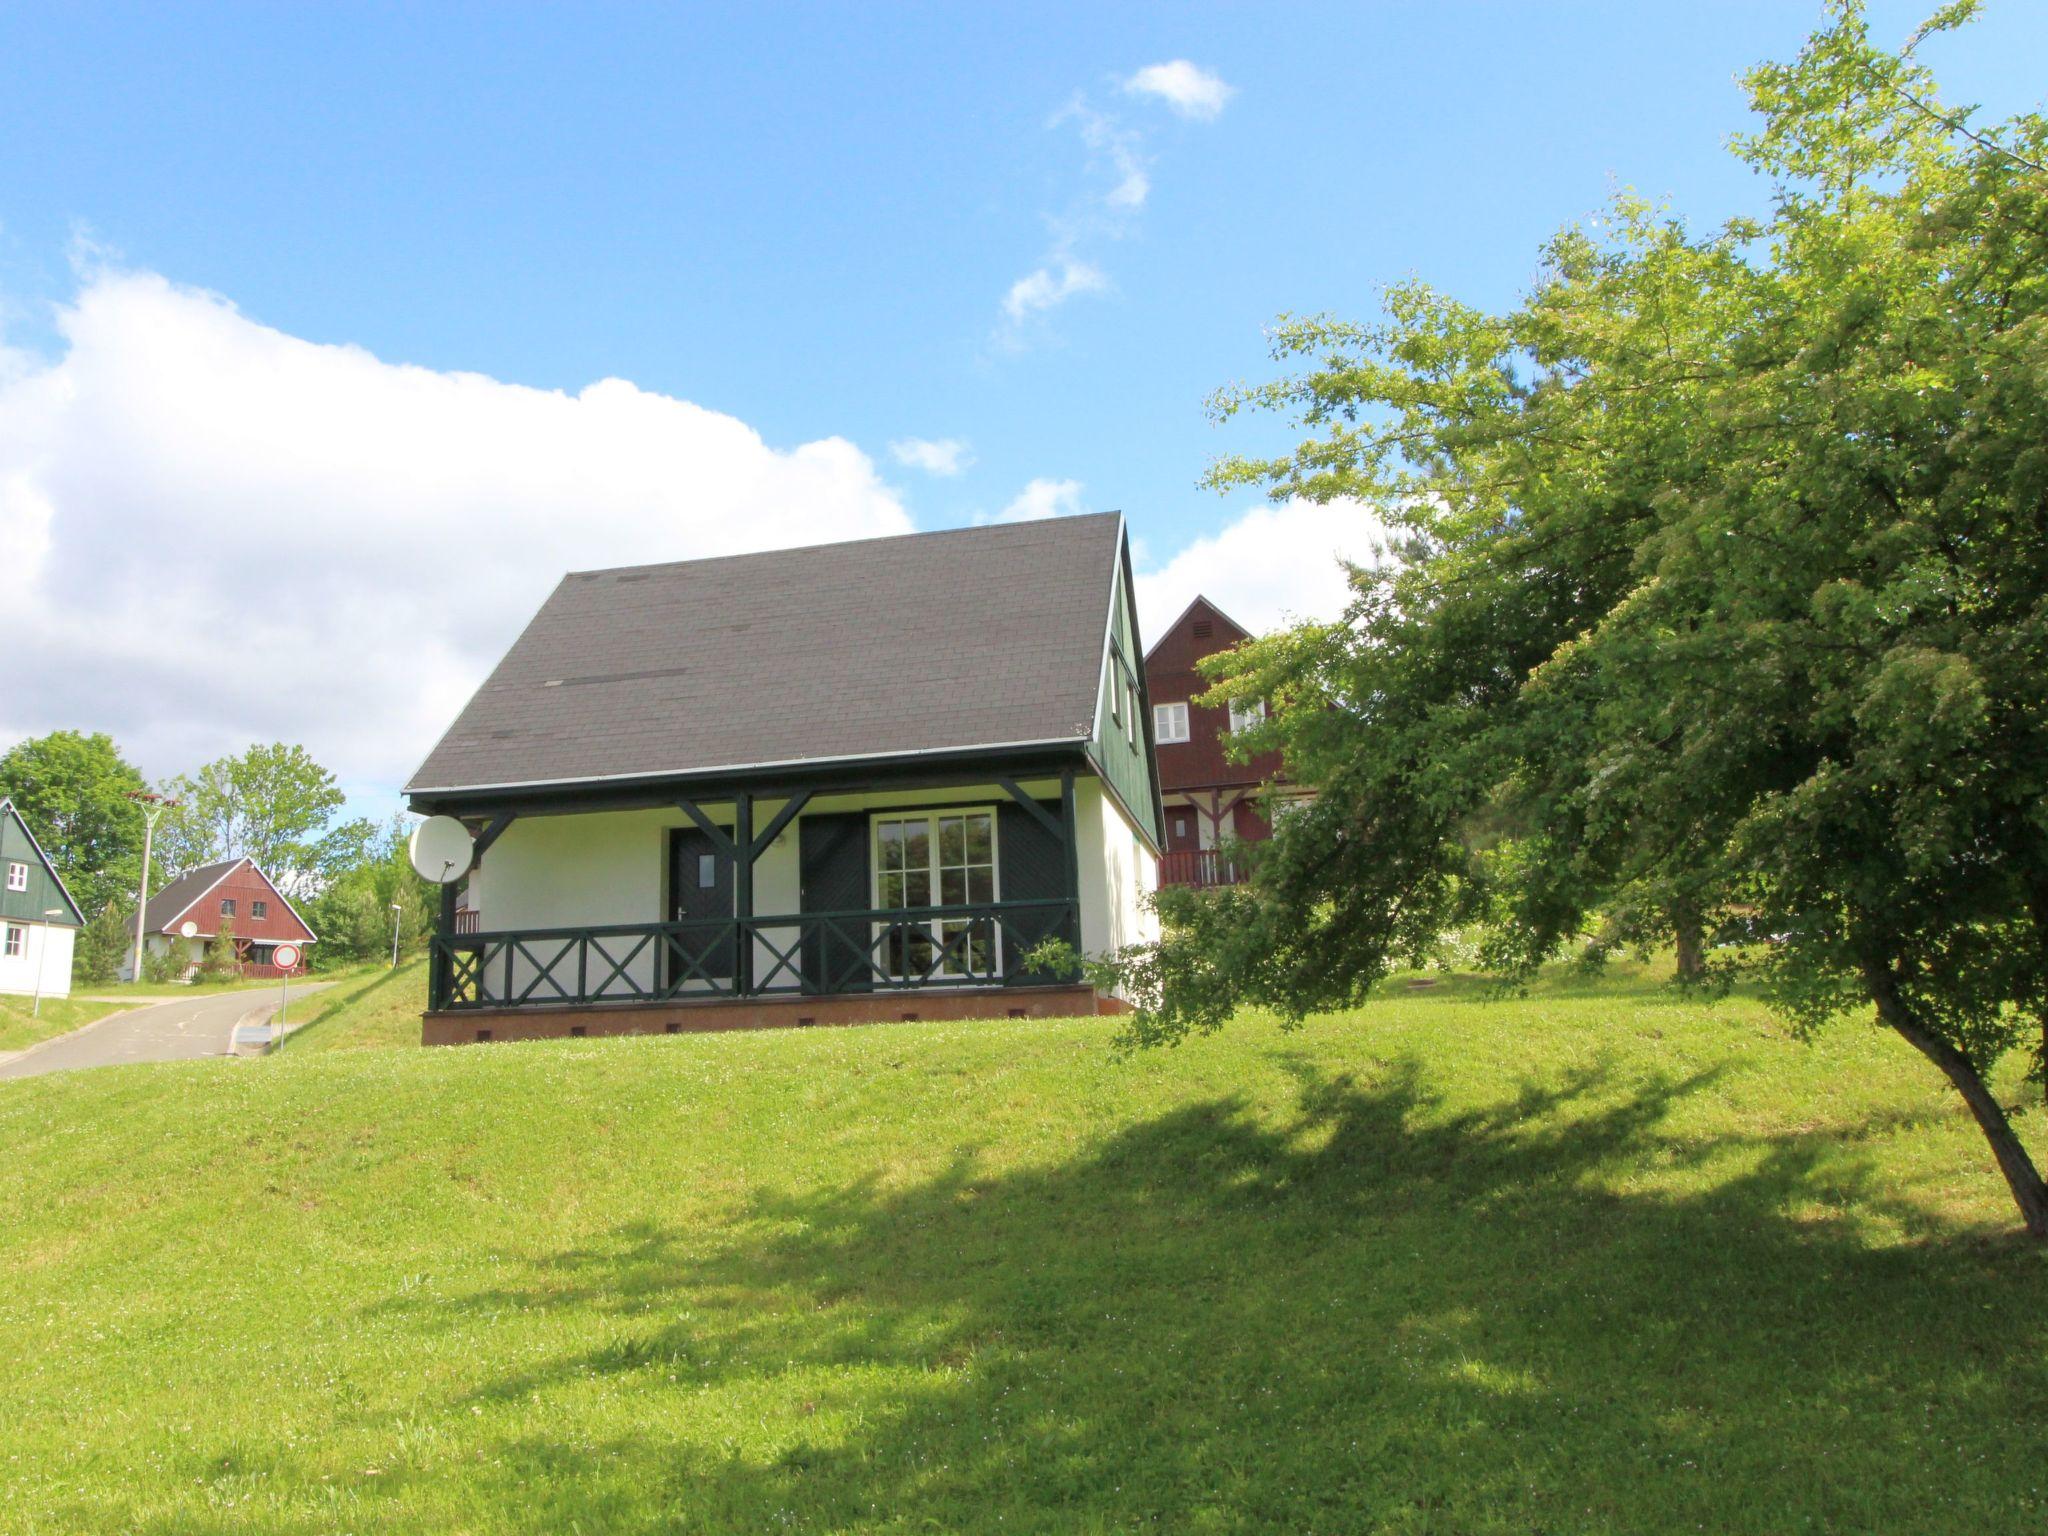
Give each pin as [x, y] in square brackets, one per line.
[222, 962]
[352, 914]
[1439, 1266]
[102, 944]
[273, 804]
[1722, 588]
[167, 965]
[72, 789]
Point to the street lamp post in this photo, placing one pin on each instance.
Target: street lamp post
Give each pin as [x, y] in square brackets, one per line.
[153, 806]
[397, 915]
[43, 962]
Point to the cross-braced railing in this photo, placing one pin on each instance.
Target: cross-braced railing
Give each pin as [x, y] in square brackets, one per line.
[810, 954]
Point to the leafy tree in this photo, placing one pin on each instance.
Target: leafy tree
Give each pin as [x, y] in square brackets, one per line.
[273, 804]
[353, 915]
[73, 789]
[1722, 581]
[102, 945]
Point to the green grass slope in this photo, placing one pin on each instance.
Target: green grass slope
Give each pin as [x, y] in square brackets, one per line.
[22, 1025]
[1596, 1260]
[366, 1010]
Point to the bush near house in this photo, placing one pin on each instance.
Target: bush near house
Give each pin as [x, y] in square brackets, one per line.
[1603, 1258]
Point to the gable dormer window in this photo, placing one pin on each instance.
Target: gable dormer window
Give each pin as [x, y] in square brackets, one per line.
[17, 877]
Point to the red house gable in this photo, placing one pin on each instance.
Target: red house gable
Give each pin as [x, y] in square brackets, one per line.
[248, 889]
[1171, 678]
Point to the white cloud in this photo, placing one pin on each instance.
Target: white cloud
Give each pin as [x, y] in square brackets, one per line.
[945, 456]
[1189, 89]
[1120, 176]
[1049, 287]
[215, 533]
[1114, 149]
[1273, 563]
[1043, 497]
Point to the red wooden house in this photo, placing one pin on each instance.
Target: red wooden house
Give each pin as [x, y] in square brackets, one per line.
[235, 892]
[1208, 800]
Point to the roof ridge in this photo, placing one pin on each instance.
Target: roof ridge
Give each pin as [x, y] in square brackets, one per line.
[872, 538]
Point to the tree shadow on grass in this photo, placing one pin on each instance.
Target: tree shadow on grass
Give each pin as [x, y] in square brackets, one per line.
[1552, 1314]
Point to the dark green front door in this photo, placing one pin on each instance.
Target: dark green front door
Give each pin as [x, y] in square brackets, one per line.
[699, 887]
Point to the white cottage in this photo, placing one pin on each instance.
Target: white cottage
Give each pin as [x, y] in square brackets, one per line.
[38, 919]
[851, 782]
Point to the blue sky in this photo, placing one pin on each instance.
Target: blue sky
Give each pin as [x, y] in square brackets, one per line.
[808, 219]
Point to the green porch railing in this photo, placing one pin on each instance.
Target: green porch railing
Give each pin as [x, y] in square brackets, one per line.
[809, 954]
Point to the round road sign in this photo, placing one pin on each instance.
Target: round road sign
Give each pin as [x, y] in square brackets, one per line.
[285, 956]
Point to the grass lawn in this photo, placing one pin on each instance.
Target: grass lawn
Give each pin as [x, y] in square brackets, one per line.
[1599, 1259]
[21, 1026]
[372, 1009]
[148, 991]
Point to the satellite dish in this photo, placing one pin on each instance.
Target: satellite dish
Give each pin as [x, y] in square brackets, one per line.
[440, 848]
[189, 929]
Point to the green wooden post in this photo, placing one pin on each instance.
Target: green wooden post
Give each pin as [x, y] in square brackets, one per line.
[439, 969]
[743, 891]
[1070, 826]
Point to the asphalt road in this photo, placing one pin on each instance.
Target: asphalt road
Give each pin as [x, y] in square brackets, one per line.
[179, 1030]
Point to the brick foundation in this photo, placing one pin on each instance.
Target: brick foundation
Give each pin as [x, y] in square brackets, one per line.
[690, 1016]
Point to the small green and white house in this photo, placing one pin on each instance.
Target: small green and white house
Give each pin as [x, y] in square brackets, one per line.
[852, 783]
[38, 919]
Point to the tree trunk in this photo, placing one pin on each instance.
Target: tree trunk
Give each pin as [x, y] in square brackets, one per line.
[2028, 1192]
[1692, 948]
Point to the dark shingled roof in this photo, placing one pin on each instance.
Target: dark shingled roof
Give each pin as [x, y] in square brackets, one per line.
[174, 898]
[926, 642]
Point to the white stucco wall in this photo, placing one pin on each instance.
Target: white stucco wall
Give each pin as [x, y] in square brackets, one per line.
[1118, 875]
[45, 953]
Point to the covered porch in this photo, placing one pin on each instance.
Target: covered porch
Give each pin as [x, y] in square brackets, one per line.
[812, 899]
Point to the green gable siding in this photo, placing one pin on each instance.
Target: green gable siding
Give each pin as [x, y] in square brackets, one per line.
[1130, 770]
[44, 889]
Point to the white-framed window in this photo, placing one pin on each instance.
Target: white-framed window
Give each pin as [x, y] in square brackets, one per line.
[17, 941]
[1131, 715]
[1243, 716]
[17, 877]
[259, 909]
[1116, 697]
[1169, 723]
[927, 861]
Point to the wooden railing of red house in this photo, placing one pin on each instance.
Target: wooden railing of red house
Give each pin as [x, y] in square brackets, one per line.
[808, 954]
[1200, 867]
[468, 920]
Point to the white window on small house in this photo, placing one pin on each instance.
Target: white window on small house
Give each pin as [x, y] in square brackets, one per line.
[1169, 723]
[17, 877]
[1246, 715]
[1116, 699]
[227, 906]
[259, 909]
[944, 859]
[17, 941]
